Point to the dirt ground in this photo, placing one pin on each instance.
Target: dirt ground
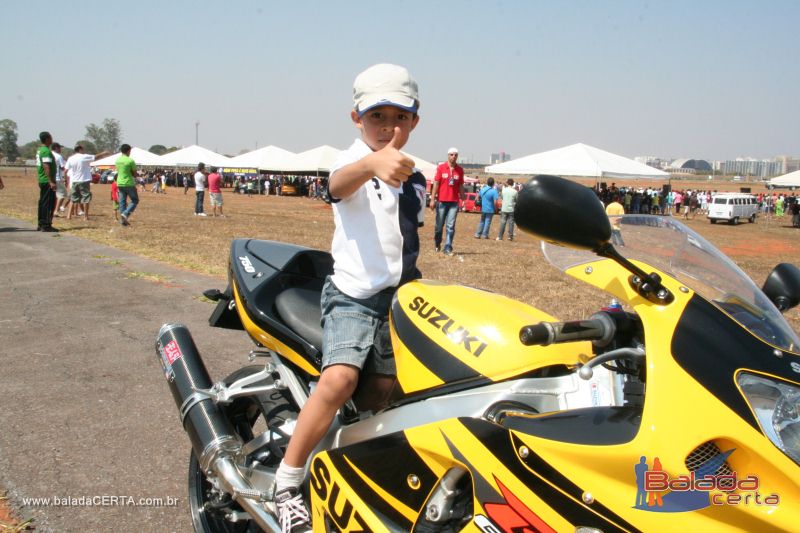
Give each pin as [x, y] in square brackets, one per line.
[164, 228]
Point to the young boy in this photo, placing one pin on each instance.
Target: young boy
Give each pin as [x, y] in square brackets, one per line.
[378, 200]
[115, 198]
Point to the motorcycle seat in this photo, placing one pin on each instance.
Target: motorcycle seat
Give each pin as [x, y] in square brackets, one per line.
[300, 310]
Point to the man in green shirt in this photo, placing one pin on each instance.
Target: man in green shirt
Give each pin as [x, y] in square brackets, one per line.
[46, 171]
[126, 183]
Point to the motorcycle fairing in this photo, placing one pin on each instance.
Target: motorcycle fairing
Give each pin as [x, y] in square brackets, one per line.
[709, 343]
[450, 333]
[680, 415]
[366, 487]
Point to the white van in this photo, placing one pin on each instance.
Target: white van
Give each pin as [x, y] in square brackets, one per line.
[733, 208]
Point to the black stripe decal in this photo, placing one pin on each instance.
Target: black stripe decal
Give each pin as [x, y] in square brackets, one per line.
[435, 358]
[388, 461]
[712, 347]
[569, 506]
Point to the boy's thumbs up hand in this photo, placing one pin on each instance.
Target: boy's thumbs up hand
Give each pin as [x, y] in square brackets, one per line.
[389, 165]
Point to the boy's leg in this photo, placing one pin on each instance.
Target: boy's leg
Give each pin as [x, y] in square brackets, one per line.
[511, 226]
[335, 387]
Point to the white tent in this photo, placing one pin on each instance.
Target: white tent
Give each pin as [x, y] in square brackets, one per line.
[267, 158]
[578, 160]
[319, 159]
[427, 168]
[791, 179]
[192, 155]
[142, 158]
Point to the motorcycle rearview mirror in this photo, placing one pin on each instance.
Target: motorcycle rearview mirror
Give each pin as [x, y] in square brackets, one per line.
[782, 286]
[567, 213]
[562, 212]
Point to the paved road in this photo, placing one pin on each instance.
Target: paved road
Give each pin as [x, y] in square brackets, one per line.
[84, 409]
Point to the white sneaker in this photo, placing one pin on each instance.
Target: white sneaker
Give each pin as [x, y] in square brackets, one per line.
[293, 513]
[202, 215]
[61, 209]
[80, 213]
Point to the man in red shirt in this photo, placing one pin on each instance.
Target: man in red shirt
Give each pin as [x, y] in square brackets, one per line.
[215, 192]
[448, 188]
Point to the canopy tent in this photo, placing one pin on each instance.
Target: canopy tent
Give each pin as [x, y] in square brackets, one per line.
[319, 159]
[142, 158]
[428, 169]
[267, 158]
[192, 155]
[791, 179]
[578, 160]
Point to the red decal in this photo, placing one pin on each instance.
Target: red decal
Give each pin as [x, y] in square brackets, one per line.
[172, 351]
[514, 516]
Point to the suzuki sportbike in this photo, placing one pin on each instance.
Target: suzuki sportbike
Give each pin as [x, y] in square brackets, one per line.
[675, 408]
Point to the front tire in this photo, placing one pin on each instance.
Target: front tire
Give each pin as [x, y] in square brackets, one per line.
[250, 416]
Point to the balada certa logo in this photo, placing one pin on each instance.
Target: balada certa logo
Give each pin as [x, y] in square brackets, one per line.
[659, 492]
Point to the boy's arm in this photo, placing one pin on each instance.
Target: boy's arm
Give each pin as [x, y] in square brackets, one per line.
[387, 164]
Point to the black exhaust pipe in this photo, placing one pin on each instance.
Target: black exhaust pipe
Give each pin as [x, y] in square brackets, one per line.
[214, 440]
[208, 428]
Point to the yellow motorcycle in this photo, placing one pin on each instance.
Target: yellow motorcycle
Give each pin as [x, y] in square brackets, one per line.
[675, 408]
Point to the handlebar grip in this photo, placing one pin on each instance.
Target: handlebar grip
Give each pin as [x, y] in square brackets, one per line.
[597, 328]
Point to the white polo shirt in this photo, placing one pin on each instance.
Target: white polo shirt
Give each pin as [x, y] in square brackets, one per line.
[199, 181]
[78, 167]
[375, 240]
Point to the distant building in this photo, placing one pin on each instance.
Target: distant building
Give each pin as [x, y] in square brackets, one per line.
[789, 163]
[690, 166]
[761, 168]
[502, 157]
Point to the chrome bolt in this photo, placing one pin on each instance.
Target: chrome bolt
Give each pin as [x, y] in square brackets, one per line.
[684, 290]
[777, 353]
[413, 481]
[587, 498]
[588, 270]
[662, 294]
[524, 452]
[432, 513]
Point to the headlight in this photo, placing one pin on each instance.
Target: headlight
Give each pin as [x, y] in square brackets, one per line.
[777, 408]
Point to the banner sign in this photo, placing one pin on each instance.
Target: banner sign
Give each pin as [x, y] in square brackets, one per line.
[249, 172]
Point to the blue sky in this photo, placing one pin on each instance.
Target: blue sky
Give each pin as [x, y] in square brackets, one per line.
[703, 79]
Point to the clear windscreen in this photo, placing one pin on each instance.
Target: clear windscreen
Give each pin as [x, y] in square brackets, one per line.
[671, 247]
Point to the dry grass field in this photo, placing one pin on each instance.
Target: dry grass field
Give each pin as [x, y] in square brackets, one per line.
[164, 228]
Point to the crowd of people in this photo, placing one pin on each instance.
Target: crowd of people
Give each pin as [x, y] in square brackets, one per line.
[687, 203]
[69, 194]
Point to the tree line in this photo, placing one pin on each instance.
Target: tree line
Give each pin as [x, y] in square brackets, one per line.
[106, 137]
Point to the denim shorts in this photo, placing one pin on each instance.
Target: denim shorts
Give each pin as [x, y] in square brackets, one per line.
[355, 331]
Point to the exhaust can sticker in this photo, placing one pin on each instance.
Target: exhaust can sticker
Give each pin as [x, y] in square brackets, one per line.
[170, 353]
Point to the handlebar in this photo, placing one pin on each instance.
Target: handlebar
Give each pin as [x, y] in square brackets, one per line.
[599, 328]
